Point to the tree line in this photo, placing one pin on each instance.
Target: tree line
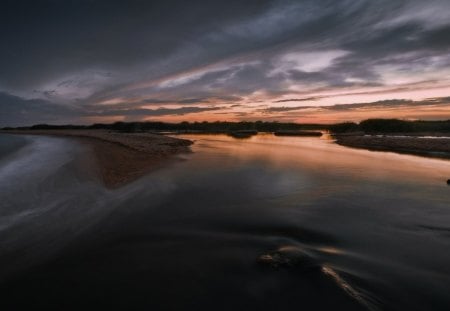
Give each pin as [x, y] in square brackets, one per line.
[374, 126]
[369, 126]
[210, 127]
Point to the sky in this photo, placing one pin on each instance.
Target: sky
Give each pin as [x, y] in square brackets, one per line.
[307, 61]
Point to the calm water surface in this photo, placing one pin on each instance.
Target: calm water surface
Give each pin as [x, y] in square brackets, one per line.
[375, 226]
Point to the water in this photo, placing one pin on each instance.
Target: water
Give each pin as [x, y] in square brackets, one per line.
[375, 225]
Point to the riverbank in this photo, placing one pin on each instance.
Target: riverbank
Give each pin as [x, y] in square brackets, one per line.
[121, 157]
[436, 146]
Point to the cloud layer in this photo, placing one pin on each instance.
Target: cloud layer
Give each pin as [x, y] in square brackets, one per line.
[113, 60]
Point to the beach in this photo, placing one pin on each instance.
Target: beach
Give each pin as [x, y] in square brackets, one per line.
[122, 157]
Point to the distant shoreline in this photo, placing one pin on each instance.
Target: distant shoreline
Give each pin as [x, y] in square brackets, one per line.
[433, 147]
[121, 157]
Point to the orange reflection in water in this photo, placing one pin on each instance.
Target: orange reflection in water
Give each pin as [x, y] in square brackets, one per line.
[320, 155]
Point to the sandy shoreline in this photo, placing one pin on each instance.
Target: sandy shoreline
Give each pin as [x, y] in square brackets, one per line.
[122, 157]
[428, 147]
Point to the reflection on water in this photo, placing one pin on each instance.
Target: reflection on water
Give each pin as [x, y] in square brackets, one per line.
[188, 236]
[365, 301]
[323, 156]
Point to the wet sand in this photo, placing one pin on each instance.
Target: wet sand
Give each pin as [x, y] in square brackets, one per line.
[122, 157]
[436, 147]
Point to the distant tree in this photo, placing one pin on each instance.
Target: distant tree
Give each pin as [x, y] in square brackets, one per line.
[345, 127]
[386, 126]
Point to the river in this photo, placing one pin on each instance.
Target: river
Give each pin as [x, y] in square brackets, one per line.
[374, 227]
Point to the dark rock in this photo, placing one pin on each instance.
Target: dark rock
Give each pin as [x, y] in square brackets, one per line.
[243, 133]
[448, 181]
[287, 257]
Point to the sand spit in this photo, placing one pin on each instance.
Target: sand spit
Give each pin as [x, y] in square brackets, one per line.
[435, 147]
[122, 157]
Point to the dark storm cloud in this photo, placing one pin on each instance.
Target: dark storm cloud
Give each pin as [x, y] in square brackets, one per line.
[284, 109]
[44, 39]
[152, 112]
[169, 101]
[392, 103]
[80, 53]
[160, 102]
[306, 99]
[18, 111]
[382, 104]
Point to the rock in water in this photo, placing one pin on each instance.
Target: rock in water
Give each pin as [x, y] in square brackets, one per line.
[448, 182]
[287, 257]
